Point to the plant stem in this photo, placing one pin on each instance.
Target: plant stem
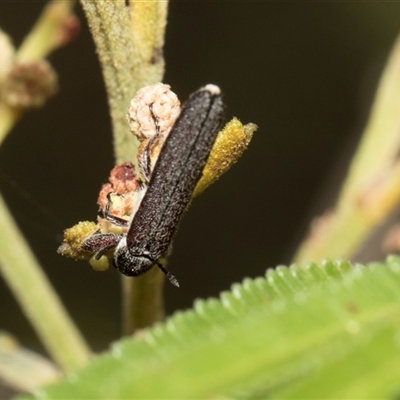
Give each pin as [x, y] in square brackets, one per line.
[8, 118]
[40, 303]
[45, 37]
[142, 298]
[126, 55]
[129, 41]
[18, 265]
[23, 369]
[371, 190]
[47, 34]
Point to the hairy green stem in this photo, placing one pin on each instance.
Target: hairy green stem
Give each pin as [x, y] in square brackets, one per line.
[130, 54]
[129, 41]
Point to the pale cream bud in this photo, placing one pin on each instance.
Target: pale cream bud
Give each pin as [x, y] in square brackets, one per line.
[153, 110]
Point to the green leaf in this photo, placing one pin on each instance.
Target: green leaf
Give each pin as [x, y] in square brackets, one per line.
[328, 331]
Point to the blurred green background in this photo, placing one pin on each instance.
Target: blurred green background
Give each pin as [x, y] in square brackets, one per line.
[304, 72]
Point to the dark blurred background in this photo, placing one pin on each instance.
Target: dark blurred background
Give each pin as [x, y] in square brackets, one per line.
[304, 72]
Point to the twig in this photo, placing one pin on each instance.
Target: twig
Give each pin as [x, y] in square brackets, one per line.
[17, 262]
[23, 369]
[372, 187]
[37, 297]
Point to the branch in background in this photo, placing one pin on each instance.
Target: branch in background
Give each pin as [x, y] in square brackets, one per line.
[372, 188]
[23, 369]
[56, 26]
[37, 298]
[20, 269]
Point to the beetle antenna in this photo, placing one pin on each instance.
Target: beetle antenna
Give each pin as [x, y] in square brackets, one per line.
[168, 274]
